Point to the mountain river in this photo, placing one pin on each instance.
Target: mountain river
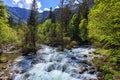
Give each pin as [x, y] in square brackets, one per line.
[48, 64]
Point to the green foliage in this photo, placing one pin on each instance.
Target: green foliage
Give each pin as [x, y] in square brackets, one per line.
[68, 47]
[66, 40]
[108, 77]
[74, 44]
[21, 35]
[104, 23]
[7, 34]
[60, 48]
[83, 30]
[105, 69]
[74, 27]
[104, 30]
[48, 32]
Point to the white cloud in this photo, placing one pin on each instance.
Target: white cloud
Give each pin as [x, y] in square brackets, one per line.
[20, 5]
[16, 1]
[46, 9]
[39, 4]
[76, 2]
[40, 11]
[26, 3]
[57, 7]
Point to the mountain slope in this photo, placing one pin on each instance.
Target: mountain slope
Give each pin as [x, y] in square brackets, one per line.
[20, 13]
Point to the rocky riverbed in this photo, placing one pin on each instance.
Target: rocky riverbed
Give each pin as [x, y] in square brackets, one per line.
[48, 64]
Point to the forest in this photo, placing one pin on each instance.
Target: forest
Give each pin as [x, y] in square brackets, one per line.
[95, 24]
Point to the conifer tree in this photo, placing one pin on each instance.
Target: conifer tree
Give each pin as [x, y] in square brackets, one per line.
[30, 37]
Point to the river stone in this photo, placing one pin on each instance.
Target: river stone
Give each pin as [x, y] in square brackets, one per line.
[1, 51]
[83, 69]
[90, 52]
[1, 73]
[4, 78]
[93, 79]
[85, 56]
[74, 58]
[51, 67]
[84, 61]
[64, 67]
[4, 67]
[100, 76]
[92, 70]
[16, 71]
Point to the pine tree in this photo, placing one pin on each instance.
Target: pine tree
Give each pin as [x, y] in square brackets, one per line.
[30, 37]
[61, 17]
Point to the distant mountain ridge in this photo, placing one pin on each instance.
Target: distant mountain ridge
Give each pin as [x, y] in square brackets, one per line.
[17, 13]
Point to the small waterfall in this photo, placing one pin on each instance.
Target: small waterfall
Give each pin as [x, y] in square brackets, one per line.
[49, 64]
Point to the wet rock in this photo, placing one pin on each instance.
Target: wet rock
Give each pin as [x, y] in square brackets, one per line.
[83, 69]
[85, 61]
[92, 70]
[64, 67]
[84, 55]
[74, 58]
[4, 67]
[4, 61]
[100, 76]
[4, 78]
[1, 73]
[27, 75]
[75, 75]
[1, 51]
[90, 52]
[96, 53]
[9, 64]
[93, 79]
[50, 67]
[16, 71]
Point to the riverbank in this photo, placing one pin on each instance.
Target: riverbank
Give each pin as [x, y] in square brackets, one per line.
[6, 61]
[108, 64]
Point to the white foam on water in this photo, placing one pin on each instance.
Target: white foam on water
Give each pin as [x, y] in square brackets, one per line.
[56, 65]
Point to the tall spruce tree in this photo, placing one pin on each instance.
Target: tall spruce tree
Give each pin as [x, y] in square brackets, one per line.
[61, 17]
[30, 37]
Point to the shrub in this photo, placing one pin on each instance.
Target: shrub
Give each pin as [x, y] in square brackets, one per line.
[74, 44]
[60, 48]
[68, 47]
[66, 40]
[108, 77]
[105, 69]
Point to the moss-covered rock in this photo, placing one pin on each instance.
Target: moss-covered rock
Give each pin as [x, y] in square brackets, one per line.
[60, 48]
[74, 44]
[68, 47]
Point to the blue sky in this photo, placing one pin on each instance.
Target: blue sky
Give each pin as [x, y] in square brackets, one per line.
[42, 4]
